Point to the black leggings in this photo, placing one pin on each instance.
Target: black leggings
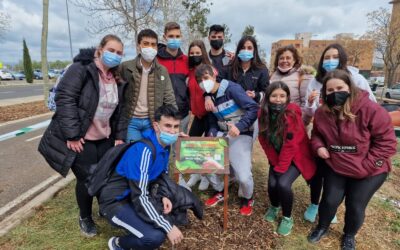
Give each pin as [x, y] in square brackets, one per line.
[92, 153]
[356, 192]
[280, 189]
[316, 181]
[199, 126]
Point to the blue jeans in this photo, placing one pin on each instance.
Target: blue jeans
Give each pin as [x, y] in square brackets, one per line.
[136, 127]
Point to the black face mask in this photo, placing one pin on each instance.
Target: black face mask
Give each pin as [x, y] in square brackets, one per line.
[276, 108]
[337, 98]
[195, 60]
[217, 44]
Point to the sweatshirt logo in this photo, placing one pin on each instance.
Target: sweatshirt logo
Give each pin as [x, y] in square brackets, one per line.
[343, 148]
[162, 78]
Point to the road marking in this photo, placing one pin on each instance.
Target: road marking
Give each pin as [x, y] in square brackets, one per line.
[23, 197]
[24, 130]
[7, 92]
[34, 138]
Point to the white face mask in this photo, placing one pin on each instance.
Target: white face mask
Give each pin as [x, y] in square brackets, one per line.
[207, 85]
[148, 54]
[284, 70]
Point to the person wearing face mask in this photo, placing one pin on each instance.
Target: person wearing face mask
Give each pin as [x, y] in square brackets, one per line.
[233, 116]
[197, 56]
[289, 69]
[149, 87]
[284, 140]
[171, 57]
[218, 55]
[333, 57]
[139, 196]
[355, 138]
[84, 126]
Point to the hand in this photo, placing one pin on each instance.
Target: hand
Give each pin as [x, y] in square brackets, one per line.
[182, 134]
[230, 54]
[167, 205]
[175, 236]
[313, 95]
[233, 130]
[251, 94]
[76, 146]
[323, 153]
[209, 104]
[118, 142]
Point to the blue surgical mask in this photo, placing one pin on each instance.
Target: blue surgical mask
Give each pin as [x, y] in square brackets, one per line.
[110, 59]
[167, 138]
[330, 64]
[245, 55]
[174, 43]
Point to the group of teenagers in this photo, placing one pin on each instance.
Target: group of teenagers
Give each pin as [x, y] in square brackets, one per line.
[327, 128]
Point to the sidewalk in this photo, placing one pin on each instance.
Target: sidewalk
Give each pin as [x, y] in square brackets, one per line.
[21, 83]
[8, 102]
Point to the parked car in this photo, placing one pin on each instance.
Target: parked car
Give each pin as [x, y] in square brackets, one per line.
[37, 74]
[5, 75]
[391, 93]
[18, 75]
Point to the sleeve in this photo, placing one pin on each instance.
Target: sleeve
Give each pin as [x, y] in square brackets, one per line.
[262, 84]
[121, 119]
[248, 105]
[67, 100]
[317, 140]
[291, 143]
[136, 170]
[362, 83]
[383, 140]
[310, 109]
[169, 96]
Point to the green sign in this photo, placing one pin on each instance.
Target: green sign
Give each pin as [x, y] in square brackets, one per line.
[202, 155]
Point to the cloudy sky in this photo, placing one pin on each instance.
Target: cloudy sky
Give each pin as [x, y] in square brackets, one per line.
[273, 20]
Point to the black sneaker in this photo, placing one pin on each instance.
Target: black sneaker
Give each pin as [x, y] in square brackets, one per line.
[317, 234]
[88, 228]
[348, 242]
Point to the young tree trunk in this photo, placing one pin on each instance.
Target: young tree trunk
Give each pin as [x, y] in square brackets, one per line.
[44, 49]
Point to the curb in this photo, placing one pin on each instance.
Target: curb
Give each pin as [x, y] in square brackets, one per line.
[25, 130]
[28, 209]
[25, 119]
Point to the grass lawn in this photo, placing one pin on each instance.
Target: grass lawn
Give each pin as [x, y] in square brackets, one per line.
[55, 223]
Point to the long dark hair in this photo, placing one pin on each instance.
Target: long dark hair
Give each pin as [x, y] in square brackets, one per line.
[298, 60]
[277, 127]
[321, 72]
[345, 112]
[255, 61]
[204, 54]
[103, 42]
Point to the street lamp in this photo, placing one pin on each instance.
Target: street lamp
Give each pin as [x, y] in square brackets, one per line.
[69, 30]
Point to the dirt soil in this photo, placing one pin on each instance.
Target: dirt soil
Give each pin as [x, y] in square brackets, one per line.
[19, 111]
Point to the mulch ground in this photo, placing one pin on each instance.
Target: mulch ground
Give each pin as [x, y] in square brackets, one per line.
[19, 111]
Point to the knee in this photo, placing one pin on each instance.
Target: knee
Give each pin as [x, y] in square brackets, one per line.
[153, 240]
[331, 200]
[284, 187]
[244, 178]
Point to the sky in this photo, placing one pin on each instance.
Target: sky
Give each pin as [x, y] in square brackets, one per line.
[273, 20]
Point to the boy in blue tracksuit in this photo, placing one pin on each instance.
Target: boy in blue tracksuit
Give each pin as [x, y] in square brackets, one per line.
[234, 115]
[126, 199]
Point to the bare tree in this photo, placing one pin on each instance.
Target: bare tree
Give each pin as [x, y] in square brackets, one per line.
[45, 28]
[124, 17]
[4, 23]
[385, 33]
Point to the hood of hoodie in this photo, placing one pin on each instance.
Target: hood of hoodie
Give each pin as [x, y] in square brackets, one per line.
[85, 56]
[162, 52]
[361, 100]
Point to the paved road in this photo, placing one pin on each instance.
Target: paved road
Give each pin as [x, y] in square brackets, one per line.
[10, 92]
[21, 166]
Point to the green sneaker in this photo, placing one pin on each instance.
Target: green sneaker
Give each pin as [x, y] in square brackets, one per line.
[285, 227]
[271, 214]
[311, 213]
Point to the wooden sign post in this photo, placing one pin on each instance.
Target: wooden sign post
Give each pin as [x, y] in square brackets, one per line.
[204, 155]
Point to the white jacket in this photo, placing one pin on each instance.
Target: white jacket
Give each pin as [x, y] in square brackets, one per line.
[357, 78]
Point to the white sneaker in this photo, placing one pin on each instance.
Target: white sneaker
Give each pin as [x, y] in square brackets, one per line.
[194, 178]
[204, 183]
[183, 183]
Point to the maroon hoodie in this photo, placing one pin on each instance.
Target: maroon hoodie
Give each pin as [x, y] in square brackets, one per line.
[357, 149]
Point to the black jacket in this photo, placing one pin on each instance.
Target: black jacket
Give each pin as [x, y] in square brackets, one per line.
[77, 99]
